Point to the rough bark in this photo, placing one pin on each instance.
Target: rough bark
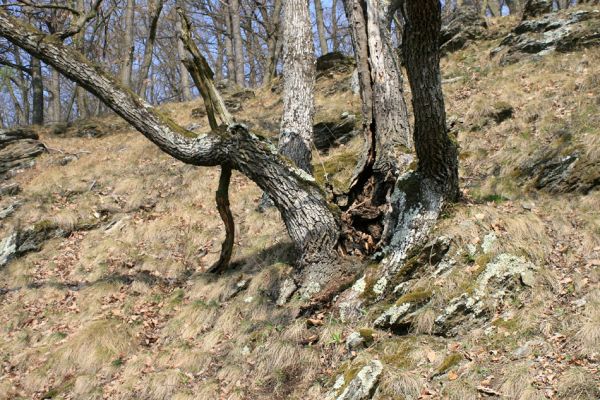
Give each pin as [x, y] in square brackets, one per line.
[296, 136]
[436, 151]
[186, 93]
[419, 196]
[312, 225]
[37, 89]
[128, 44]
[385, 120]
[335, 42]
[321, 32]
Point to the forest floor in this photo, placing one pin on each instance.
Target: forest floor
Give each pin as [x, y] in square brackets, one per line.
[120, 308]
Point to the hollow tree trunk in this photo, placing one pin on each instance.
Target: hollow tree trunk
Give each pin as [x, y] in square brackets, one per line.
[385, 121]
[312, 226]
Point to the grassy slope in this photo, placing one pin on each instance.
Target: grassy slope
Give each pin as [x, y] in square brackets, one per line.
[127, 312]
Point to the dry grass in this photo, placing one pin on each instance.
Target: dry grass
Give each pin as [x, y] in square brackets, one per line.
[77, 314]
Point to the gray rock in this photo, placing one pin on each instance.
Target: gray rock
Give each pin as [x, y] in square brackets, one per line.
[287, 289]
[566, 31]
[536, 8]
[355, 342]
[333, 133]
[8, 249]
[554, 171]
[10, 190]
[9, 209]
[18, 148]
[364, 384]
[504, 275]
[334, 61]
[460, 28]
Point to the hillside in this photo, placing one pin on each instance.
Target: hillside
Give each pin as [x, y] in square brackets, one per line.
[504, 302]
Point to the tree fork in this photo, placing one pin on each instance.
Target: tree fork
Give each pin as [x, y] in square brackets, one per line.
[215, 107]
[311, 222]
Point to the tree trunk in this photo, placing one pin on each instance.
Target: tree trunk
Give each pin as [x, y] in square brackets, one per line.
[238, 48]
[312, 225]
[335, 43]
[385, 117]
[321, 27]
[37, 88]
[186, 94]
[296, 135]
[55, 102]
[273, 39]
[155, 7]
[436, 151]
[128, 44]
[229, 45]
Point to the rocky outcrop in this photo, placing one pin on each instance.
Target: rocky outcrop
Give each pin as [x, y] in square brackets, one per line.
[25, 241]
[333, 133]
[558, 170]
[460, 28]
[536, 8]
[565, 31]
[18, 148]
[334, 62]
[361, 387]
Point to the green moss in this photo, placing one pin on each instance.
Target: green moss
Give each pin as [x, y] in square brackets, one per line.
[44, 226]
[416, 297]
[508, 324]
[337, 171]
[450, 361]
[367, 334]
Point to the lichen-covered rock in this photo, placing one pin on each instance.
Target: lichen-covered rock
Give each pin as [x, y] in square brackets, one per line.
[502, 277]
[460, 28]
[564, 31]
[8, 209]
[399, 317]
[8, 249]
[18, 148]
[361, 387]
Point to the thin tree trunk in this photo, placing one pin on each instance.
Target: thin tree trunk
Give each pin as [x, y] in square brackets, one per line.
[273, 40]
[238, 48]
[55, 99]
[156, 7]
[321, 27]
[186, 93]
[229, 45]
[334, 26]
[37, 88]
[128, 44]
